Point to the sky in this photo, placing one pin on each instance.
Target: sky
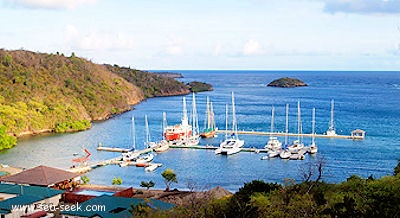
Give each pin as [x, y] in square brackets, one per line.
[210, 35]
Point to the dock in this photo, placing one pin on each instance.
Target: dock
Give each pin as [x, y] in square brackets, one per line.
[116, 160]
[352, 136]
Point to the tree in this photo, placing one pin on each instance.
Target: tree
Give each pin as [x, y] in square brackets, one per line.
[6, 141]
[169, 177]
[85, 179]
[397, 168]
[116, 181]
[147, 185]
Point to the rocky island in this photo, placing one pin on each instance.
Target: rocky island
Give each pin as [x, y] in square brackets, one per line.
[287, 82]
[196, 86]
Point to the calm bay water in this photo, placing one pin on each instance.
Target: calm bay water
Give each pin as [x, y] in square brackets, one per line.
[365, 100]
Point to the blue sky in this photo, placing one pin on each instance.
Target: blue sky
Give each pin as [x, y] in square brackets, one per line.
[218, 34]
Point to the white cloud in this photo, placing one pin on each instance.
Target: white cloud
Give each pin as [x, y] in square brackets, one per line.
[97, 40]
[50, 4]
[174, 46]
[252, 47]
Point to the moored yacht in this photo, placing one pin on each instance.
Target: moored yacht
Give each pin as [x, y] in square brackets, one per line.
[273, 142]
[234, 144]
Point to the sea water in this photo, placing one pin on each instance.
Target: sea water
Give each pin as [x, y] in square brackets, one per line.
[363, 100]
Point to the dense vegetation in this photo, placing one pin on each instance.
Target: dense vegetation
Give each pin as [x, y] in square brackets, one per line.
[50, 92]
[356, 197]
[53, 93]
[196, 86]
[287, 82]
[152, 84]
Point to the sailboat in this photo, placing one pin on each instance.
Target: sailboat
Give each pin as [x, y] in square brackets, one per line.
[313, 147]
[297, 144]
[131, 154]
[194, 138]
[331, 131]
[148, 143]
[163, 145]
[234, 144]
[209, 122]
[179, 131]
[144, 158]
[273, 142]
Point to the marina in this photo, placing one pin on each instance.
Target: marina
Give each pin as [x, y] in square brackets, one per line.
[253, 110]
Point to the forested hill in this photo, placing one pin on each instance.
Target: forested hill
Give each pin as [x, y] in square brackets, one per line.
[52, 93]
[152, 84]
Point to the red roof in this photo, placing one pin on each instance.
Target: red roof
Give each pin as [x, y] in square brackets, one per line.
[41, 176]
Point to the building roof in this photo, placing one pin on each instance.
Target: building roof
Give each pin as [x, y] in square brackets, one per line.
[41, 175]
[26, 195]
[29, 190]
[116, 206]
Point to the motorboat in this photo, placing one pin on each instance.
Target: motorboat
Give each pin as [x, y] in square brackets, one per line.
[230, 146]
[161, 146]
[295, 147]
[273, 143]
[144, 158]
[285, 154]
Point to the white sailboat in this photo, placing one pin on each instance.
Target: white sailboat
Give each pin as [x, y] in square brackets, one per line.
[297, 144]
[194, 138]
[148, 143]
[163, 145]
[273, 142]
[313, 147]
[233, 144]
[131, 154]
[331, 131]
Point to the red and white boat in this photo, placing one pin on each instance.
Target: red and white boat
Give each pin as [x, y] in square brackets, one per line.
[179, 131]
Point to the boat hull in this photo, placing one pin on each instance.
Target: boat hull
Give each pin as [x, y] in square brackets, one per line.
[210, 134]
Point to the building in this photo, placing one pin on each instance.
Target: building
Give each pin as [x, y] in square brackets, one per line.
[106, 206]
[25, 201]
[44, 176]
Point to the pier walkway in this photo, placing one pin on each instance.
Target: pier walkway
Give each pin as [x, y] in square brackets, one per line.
[354, 137]
[116, 160]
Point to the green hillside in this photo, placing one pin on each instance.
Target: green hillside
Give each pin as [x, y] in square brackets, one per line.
[152, 84]
[52, 93]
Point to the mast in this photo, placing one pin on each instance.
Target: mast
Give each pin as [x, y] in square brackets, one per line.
[184, 116]
[313, 127]
[207, 119]
[212, 118]
[164, 123]
[287, 124]
[299, 128]
[146, 123]
[226, 121]
[331, 122]
[133, 132]
[234, 124]
[272, 119]
[195, 120]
